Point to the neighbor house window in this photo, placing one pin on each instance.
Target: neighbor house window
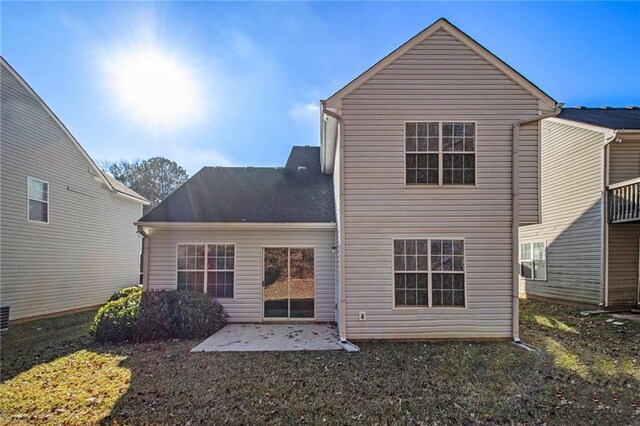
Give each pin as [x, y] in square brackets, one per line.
[38, 204]
[533, 260]
[429, 273]
[440, 153]
[207, 268]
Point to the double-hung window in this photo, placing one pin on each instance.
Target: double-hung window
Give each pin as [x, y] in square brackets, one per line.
[38, 200]
[440, 153]
[533, 260]
[207, 268]
[429, 273]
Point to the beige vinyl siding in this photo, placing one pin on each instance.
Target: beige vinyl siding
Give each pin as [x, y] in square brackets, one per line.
[624, 164]
[89, 248]
[438, 80]
[571, 215]
[624, 160]
[529, 170]
[624, 239]
[247, 303]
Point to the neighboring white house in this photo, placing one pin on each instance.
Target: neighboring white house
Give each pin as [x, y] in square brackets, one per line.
[402, 224]
[67, 239]
[585, 250]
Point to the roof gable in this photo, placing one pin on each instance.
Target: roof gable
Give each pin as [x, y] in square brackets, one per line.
[442, 25]
[111, 183]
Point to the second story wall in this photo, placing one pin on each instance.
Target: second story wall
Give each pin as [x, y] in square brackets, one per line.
[440, 80]
[624, 160]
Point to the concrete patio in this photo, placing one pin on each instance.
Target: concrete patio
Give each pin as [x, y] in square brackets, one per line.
[271, 337]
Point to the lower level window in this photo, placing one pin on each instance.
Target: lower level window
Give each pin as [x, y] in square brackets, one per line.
[207, 268]
[533, 260]
[429, 273]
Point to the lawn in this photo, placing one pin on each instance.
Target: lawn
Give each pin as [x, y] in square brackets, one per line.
[586, 371]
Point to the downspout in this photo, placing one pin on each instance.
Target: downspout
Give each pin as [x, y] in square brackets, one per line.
[604, 296]
[515, 217]
[342, 324]
[145, 258]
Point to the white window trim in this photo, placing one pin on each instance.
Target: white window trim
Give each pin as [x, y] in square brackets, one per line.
[546, 272]
[206, 262]
[46, 202]
[440, 184]
[430, 306]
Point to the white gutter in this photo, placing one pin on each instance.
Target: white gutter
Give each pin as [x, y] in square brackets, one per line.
[515, 217]
[604, 210]
[238, 225]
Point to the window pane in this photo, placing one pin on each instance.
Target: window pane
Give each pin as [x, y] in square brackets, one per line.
[398, 246]
[423, 264]
[527, 270]
[525, 251]
[447, 129]
[410, 129]
[411, 144]
[540, 269]
[411, 263]
[458, 247]
[458, 263]
[398, 263]
[538, 251]
[38, 190]
[469, 129]
[399, 281]
[38, 211]
[433, 129]
[400, 299]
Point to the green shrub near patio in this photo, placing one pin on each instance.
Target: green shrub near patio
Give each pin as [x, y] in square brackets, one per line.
[127, 291]
[133, 315]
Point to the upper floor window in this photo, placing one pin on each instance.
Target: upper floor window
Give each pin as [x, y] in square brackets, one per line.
[533, 260]
[38, 200]
[440, 153]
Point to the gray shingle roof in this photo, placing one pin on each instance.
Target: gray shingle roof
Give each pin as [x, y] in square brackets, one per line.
[253, 194]
[611, 118]
[122, 188]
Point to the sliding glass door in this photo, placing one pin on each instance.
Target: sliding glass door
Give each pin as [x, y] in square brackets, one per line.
[289, 283]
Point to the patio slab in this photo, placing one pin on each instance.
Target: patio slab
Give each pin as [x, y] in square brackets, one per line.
[271, 337]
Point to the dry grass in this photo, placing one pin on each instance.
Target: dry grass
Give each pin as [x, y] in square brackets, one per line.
[587, 372]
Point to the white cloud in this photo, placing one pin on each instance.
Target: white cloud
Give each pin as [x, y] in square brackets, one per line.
[308, 113]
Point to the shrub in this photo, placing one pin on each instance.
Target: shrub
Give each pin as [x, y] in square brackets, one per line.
[154, 315]
[125, 292]
[117, 320]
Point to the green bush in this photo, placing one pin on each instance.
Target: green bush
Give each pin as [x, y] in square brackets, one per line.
[125, 292]
[154, 315]
[117, 320]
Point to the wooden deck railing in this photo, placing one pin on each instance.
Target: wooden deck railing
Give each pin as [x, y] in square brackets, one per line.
[624, 201]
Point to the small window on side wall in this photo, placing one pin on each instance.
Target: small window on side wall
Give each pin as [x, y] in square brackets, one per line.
[38, 200]
[533, 261]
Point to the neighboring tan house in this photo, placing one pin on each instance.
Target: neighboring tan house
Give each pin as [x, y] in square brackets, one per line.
[585, 250]
[66, 229]
[402, 224]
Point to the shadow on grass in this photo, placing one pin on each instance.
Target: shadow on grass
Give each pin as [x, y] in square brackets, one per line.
[577, 378]
[31, 343]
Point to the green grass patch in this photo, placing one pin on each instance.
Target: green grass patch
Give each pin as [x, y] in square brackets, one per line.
[586, 372]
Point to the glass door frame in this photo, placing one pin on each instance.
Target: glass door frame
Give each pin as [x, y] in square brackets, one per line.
[315, 287]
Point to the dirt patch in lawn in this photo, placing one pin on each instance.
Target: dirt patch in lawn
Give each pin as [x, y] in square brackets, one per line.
[586, 372]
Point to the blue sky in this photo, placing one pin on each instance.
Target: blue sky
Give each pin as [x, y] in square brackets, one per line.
[261, 68]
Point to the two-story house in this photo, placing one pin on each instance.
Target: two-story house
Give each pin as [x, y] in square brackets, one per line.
[585, 250]
[67, 239]
[402, 224]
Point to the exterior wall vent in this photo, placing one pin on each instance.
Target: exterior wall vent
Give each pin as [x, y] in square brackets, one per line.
[302, 169]
[605, 107]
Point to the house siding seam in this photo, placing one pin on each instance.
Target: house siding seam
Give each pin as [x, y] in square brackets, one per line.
[439, 79]
[572, 179]
[247, 304]
[89, 249]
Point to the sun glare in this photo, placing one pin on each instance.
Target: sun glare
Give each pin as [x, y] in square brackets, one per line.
[155, 87]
